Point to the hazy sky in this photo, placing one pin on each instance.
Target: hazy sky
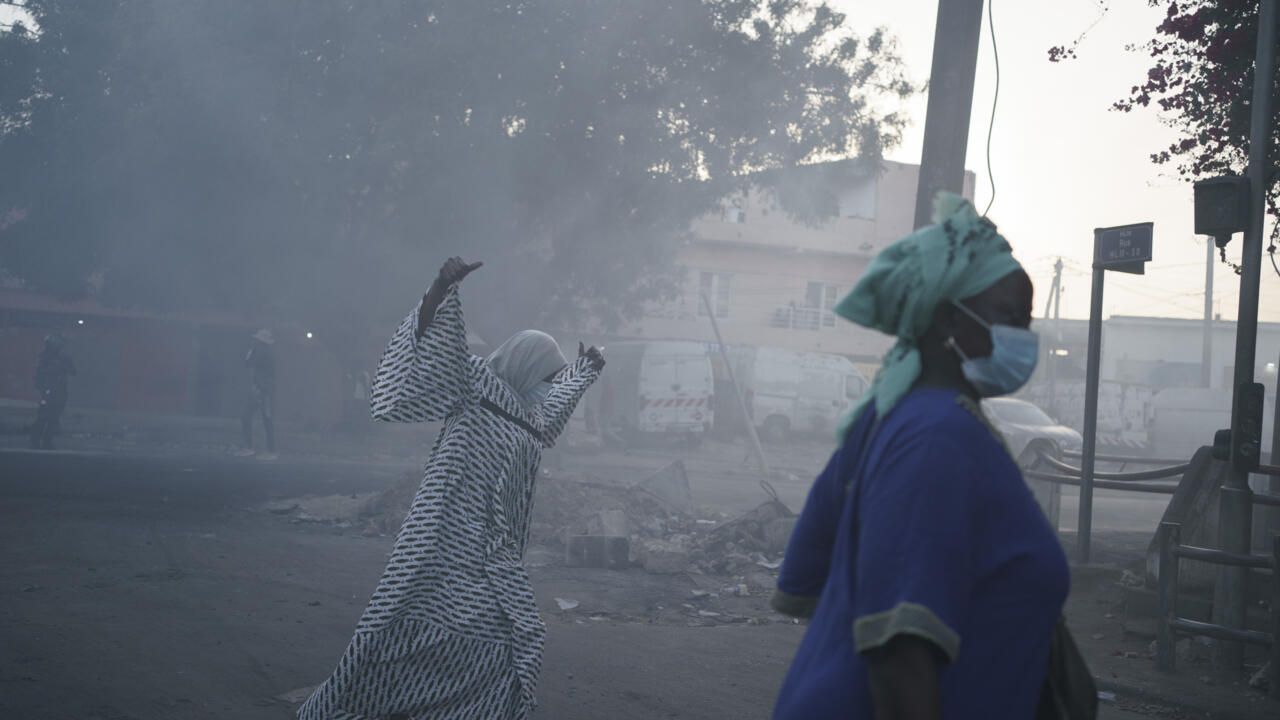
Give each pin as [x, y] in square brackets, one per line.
[1064, 162]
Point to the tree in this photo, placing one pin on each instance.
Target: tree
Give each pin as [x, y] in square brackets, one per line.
[316, 160]
[1202, 80]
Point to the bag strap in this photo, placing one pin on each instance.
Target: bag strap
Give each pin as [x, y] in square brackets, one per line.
[501, 412]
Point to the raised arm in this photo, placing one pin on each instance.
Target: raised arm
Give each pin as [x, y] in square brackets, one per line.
[426, 369]
[568, 390]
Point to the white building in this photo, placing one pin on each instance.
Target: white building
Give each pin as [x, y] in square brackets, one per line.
[772, 281]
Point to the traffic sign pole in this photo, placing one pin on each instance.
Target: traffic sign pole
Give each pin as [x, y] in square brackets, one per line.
[1126, 249]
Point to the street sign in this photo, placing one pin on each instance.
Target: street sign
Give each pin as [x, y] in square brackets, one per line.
[1126, 248]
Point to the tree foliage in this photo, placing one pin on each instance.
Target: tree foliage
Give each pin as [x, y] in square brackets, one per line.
[1201, 81]
[316, 160]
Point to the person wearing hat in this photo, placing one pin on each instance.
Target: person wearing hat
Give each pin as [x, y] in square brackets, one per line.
[261, 402]
[933, 580]
[53, 374]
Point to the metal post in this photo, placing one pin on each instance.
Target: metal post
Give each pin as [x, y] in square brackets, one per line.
[742, 401]
[1169, 536]
[946, 123]
[1090, 450]
[1051, 364]
[1275, 617]
[1206, 356]
[1231, 595]
[1236, 515]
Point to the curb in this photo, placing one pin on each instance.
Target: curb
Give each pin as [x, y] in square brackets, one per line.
[1124, 690]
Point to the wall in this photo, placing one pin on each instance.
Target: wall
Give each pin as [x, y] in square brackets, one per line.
[764, 281]
[1170, 340]
[772, 259]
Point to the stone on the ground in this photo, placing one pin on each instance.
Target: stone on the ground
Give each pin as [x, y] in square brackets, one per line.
[664, 556]
[597, 551]
[608, 522]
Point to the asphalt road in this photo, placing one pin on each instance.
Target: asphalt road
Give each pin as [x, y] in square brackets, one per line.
[133, 589]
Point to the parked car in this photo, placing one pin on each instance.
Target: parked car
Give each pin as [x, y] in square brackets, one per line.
[656, 388]
[1028, 431]
[789, 392]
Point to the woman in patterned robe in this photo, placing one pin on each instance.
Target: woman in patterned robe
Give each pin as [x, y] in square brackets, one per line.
[452, 630]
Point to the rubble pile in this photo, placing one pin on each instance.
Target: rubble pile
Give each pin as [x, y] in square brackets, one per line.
[652, 524]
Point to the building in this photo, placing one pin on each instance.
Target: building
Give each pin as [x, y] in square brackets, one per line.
[1157, 352]
[145, 363]
[773, 281]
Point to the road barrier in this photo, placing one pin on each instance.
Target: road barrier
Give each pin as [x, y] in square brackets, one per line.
[1130, 482]
[1172, 551]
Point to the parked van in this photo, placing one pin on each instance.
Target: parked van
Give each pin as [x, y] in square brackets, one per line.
[789, 392]
[655, 388]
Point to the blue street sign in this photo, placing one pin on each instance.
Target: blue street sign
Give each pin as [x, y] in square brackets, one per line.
[1126, 248]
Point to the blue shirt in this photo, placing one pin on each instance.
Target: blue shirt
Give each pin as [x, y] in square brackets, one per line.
[948, 543]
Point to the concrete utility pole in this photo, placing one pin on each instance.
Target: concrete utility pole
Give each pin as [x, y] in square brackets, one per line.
[1051, 365]
[756, 448]
[1206, 357]
[946, 124]
[1236, 498]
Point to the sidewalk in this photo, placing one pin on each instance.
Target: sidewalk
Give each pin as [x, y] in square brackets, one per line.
[1121, 654]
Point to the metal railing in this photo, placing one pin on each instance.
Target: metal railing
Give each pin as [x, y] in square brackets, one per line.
[1141, 481]
[1172, 551]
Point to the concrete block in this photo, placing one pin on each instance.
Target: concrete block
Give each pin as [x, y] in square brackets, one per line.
[597, 551]
[664, 557]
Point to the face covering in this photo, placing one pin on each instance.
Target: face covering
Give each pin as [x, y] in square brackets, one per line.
[537, 393]
[1014, 353]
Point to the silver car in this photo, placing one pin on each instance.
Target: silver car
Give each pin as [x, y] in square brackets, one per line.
[1029, 431]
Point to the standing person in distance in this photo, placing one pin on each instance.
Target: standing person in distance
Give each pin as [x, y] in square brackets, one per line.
[52, 380]
[452, 631]
[261, 402]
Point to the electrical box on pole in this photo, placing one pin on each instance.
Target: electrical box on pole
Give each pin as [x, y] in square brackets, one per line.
[1246, 434]
[1222, 207]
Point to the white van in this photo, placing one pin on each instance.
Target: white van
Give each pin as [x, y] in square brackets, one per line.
[794, 392]
[655, 388]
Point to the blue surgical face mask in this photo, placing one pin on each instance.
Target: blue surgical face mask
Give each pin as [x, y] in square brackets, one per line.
[537, 394]
[1014, 354]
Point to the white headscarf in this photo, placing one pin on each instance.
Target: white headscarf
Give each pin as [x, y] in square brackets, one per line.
[525, 360]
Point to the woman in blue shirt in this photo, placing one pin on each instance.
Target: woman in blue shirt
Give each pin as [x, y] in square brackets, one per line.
[932, 579]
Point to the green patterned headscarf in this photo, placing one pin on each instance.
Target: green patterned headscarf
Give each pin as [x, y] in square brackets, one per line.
[958, 257]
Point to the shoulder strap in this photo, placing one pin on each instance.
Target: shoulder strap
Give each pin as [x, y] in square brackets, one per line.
[501, 412]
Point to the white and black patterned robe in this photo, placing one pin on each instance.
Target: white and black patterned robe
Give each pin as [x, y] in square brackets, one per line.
[452, 630]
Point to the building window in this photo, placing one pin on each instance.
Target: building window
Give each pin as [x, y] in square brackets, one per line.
[734, 213]
[820, 299]
[859, 199]
[715, 287]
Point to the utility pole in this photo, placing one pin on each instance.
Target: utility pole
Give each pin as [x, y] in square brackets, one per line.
[737, 390]
[1054, 302]
[1236, 499]
[946, 124]
[1206, 356]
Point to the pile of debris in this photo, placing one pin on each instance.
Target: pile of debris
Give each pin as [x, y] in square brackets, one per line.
[373, 514]
[653, 524]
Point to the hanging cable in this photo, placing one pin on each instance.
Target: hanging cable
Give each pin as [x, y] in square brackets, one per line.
[995, 100]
